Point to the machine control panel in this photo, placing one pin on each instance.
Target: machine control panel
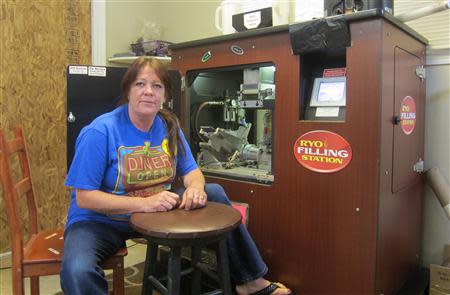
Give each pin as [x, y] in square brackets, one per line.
[326, 97]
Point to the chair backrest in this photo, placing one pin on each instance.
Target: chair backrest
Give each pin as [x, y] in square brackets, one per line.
[14, 190]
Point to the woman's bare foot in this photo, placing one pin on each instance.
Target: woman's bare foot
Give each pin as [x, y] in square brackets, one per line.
[259, 284]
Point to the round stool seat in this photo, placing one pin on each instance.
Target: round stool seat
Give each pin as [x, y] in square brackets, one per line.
[210, 221]
[186, 228]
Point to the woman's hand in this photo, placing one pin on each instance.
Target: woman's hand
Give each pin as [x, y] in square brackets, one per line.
[160, 202]
[193, 197]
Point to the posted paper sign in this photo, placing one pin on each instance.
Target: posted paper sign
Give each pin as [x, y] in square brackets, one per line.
[78, 70]
[252, 19]
[97, 71]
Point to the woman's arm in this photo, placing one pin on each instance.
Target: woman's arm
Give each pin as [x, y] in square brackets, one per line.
[107, 203]
[194, 196]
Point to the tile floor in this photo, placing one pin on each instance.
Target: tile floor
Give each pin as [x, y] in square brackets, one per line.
[49, 285]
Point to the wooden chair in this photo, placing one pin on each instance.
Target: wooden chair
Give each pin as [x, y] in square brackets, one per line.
[41, 253]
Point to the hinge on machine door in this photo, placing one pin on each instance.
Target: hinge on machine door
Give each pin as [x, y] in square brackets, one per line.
[418, 166]
[421, 72]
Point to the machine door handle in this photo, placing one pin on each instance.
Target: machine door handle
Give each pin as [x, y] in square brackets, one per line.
[396, 120]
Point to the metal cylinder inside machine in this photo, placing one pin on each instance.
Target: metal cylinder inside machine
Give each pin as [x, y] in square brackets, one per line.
[250, 153]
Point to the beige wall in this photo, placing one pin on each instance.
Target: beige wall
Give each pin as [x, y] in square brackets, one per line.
[187, 20]
[124, 22]
[177, 21]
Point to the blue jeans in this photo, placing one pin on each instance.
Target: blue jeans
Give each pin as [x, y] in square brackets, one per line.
[88, 243]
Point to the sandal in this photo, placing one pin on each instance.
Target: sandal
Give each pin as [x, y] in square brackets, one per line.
[267, 290]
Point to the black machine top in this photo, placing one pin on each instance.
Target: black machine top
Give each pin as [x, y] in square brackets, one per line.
[357, 16]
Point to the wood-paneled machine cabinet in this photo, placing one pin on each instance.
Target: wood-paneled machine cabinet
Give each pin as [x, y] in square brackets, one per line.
[325, 146]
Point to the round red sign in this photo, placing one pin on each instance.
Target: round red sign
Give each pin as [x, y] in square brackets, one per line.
[408, 115]
[322, 151]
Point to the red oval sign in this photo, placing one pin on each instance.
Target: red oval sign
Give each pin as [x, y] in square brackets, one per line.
[408, 115]
[322, 151]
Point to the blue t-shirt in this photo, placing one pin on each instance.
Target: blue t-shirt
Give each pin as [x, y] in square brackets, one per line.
[113, 156]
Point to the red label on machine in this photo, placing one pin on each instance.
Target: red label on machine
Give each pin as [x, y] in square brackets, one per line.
[336, 72]
[322, 151]
[408, 115]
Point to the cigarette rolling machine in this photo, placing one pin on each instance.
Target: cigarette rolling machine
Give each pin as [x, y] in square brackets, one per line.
[319, 127]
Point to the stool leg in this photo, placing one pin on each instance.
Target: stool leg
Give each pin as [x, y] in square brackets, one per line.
[149, 267]
[197, 274]
[224, 267]
[118, 277]
[174, 270]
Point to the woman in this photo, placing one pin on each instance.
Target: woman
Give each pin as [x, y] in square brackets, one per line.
[125, 162]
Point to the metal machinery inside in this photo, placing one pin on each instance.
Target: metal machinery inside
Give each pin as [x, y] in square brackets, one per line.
[231, 118]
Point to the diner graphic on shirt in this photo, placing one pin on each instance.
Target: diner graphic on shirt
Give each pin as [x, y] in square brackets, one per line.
[143, 170]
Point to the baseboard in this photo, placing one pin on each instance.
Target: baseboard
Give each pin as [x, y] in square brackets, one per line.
[5, 259]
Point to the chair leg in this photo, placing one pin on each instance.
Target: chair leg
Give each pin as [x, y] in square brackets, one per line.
[174, 271]
[197, 274]
[34, 285]
[17, 280]
[118, 277]
[224, 268]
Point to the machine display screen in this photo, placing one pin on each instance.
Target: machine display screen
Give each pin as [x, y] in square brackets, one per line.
[328, 92]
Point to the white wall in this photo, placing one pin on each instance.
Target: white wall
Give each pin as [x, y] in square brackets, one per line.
[185, 20]
[125, 22]
[173, 21]
[436, 227]
[436, 28]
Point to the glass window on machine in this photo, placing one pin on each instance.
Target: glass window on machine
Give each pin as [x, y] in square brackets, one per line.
[231, 117]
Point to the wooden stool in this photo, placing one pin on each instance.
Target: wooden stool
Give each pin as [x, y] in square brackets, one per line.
[181, 228]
